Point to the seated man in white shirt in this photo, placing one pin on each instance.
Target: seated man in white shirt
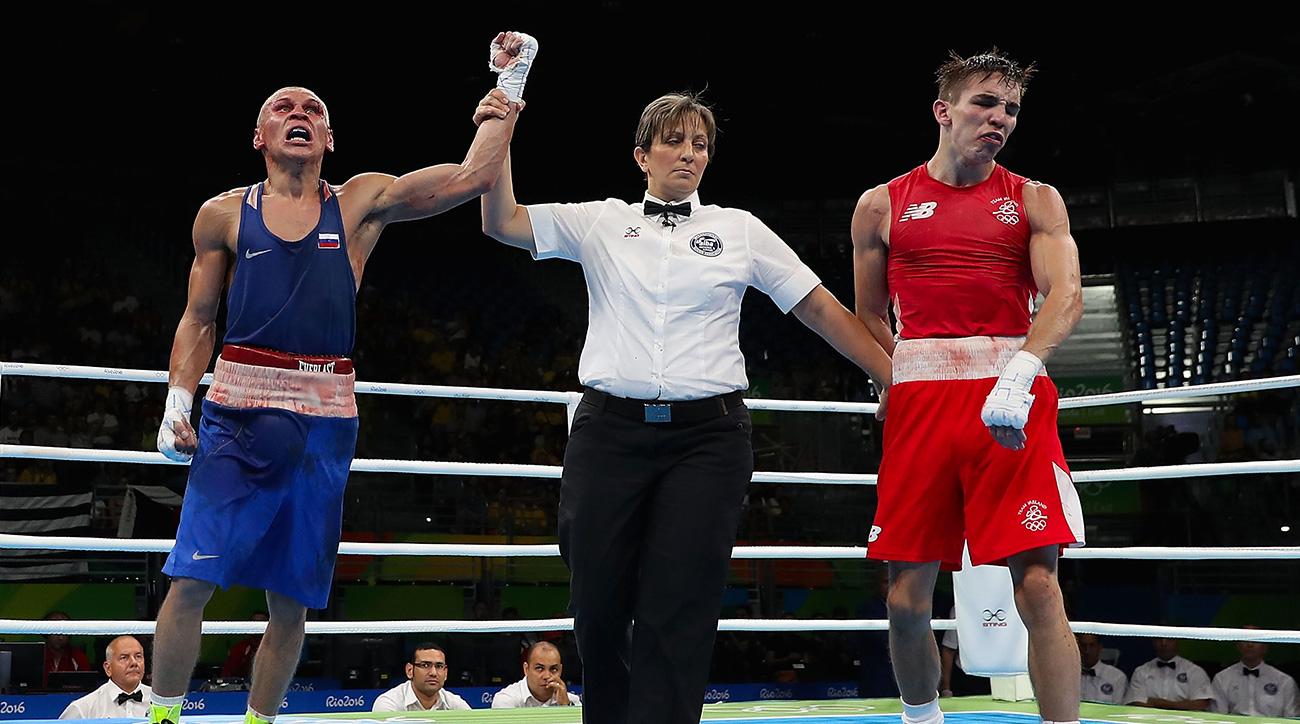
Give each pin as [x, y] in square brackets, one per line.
[1098, 681]
[426, 674]
[1254, 688]
[543, 682]
[1170, 682]
[122, 696]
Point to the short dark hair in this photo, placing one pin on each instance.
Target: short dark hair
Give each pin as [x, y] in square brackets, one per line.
[952, 74]
[425, 646]
[667, 112]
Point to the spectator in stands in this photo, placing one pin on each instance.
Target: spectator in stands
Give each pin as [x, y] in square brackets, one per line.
[1170, 682]
[239, 662]
[543, 682]
[426, 673]
[60, 655]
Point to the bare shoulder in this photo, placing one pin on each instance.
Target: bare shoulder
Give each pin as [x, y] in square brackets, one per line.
[218, 216]
[365, 186]
[1041, 194]
[874, 201]
[870, 214]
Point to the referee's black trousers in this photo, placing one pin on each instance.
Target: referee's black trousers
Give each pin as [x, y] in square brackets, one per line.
[648, 516]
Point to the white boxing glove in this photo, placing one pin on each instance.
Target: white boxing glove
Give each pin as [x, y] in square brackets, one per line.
[512, 77]
[1009, 402]
[177, 408]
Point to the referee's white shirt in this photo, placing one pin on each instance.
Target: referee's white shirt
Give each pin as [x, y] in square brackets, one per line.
[1271, 693]
[102, 704]
[1107, 685]
[664, 301]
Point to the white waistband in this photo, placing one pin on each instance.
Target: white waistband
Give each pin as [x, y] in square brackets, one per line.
[954, 358]
[322, 394]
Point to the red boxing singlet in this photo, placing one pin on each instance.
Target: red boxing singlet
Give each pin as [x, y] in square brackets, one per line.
[959, 257]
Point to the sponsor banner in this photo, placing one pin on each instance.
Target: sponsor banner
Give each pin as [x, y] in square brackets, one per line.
[50, 706]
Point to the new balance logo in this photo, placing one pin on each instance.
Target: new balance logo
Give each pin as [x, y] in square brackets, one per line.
[200, 557]
[923, 210]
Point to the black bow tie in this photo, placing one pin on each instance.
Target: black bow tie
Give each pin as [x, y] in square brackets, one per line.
[124, 698]
[1162, 664]
[1250, 672]
[1089, 672]
[654, 208]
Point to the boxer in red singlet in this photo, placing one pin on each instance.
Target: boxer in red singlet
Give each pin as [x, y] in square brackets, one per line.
[959, 247]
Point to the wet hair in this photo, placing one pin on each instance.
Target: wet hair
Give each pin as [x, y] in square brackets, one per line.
[669, 112]
[957, 70]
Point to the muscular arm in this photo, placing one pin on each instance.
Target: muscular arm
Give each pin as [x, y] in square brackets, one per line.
[377, 200]
[823, 314]
[870, 252]
[196, 335]
[503, 218]
[435, 189]
[1054, 258]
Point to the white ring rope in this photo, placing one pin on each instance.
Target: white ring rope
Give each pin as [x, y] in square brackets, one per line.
[539, 471]
[161, 545]
[24, 369]
[83, 628]
[509, 470]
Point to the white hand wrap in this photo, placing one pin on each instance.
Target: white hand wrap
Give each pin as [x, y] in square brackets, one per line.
[511, 78]
[177, 408]
[1009, 402]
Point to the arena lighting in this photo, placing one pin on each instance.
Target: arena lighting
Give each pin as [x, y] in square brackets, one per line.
[1176, 410]
[1176, 401]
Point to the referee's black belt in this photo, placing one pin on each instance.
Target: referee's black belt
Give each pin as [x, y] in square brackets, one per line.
[657, 411]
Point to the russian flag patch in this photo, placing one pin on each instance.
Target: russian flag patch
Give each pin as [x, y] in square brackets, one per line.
[327, 241]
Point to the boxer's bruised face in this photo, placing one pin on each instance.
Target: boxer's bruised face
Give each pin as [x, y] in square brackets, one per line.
[293, 124]
[980, 117]
[675, 163]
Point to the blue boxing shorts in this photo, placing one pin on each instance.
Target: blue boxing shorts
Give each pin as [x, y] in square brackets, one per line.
[264, 503]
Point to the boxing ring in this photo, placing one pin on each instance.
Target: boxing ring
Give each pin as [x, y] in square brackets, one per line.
[984, 709]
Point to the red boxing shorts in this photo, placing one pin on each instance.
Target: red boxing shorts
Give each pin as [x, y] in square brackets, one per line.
[944, 479]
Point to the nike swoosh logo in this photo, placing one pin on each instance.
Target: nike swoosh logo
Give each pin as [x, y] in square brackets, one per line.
[199, 557]
[249, 253]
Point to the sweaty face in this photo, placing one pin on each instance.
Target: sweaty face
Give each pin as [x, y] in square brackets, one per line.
[428, 672]
[674, 165]
[980, 117]
[294, 124]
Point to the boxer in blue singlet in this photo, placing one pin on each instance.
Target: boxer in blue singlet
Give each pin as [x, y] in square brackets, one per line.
[264, 503]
